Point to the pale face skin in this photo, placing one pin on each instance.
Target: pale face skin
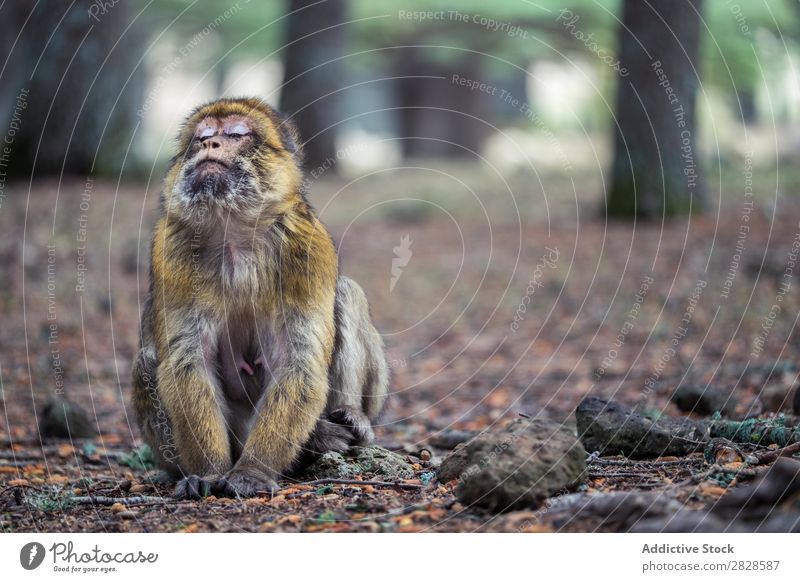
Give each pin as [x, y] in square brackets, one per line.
[217, 142]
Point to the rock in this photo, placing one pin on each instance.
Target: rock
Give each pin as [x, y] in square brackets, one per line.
[684, 520]
[776, 397]
[771, 504]
[780, 485]
[374, 460]
[454, 464]
[705, 400]
[515, 468]
[450, 438]
[613, 511]
[61, 418]
[613, 429]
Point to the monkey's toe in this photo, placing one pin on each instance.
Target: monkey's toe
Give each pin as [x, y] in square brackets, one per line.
[245, 483]
[192, 487]
[356, 422]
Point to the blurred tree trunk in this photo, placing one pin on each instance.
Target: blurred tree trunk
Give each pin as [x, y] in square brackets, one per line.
[655, 155]
[747, 105]
[436, 116]
[313, 38]
[59, 91]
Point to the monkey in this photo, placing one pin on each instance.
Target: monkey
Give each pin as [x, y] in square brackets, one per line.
[255, 353]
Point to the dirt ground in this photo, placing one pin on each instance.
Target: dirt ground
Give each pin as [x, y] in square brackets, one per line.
[517, 296]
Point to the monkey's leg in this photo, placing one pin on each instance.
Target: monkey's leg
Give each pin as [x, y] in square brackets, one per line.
[359, 376]
[290, 407]
[151, 416]
[188, 389]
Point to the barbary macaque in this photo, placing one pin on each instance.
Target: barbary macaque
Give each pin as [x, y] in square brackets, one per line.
[255, 353]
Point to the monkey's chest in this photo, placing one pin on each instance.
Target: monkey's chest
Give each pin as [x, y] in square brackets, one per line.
[240, 270]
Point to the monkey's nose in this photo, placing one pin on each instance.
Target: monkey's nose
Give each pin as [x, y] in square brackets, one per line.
[211, 143]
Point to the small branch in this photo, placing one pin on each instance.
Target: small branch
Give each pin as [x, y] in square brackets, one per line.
[684, 461]
[772, 455]
[21, 456]
[618, 474]
[703, 475]
[136, 500]
[357, 482]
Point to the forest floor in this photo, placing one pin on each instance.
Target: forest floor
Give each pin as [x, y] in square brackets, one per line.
[479, 328]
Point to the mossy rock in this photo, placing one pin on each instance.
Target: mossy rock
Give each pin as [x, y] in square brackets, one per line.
[516, 468]
[372, 460]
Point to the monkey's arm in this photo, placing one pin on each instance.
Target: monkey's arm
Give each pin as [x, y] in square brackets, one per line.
[292, 404]
[186, 344]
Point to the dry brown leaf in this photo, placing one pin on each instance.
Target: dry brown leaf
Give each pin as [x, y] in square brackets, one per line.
[712, 490]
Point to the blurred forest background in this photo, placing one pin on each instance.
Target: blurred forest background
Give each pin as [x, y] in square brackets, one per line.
[543, 199]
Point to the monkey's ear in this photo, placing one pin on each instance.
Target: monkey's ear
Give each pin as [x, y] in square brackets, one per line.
[290, 137]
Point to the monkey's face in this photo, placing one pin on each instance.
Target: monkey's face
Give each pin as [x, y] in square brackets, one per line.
[215, 167]
[239, 161]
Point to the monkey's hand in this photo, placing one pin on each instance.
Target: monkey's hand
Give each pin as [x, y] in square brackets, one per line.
[245, 482]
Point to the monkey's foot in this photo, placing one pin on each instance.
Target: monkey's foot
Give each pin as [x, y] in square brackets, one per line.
[194, 487]
[245, 483]
[329, 436]
[356, 422]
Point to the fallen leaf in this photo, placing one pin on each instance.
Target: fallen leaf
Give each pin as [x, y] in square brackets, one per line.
[712, 490]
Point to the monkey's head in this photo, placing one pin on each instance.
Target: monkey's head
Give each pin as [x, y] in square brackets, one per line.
[238, 158]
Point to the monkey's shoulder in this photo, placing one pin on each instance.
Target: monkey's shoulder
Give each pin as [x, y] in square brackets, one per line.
[306, 257]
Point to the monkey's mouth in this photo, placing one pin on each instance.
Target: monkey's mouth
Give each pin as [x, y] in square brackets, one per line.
[211, 165]
[213, 177]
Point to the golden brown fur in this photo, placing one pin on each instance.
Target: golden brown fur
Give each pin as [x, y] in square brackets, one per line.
[239, 329]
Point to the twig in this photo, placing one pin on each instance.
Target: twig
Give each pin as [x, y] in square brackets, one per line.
[21, 456]
[772, 455]
[596, 475]
[703, 475]
[136, 500]
[357, 482]
[684, 461]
